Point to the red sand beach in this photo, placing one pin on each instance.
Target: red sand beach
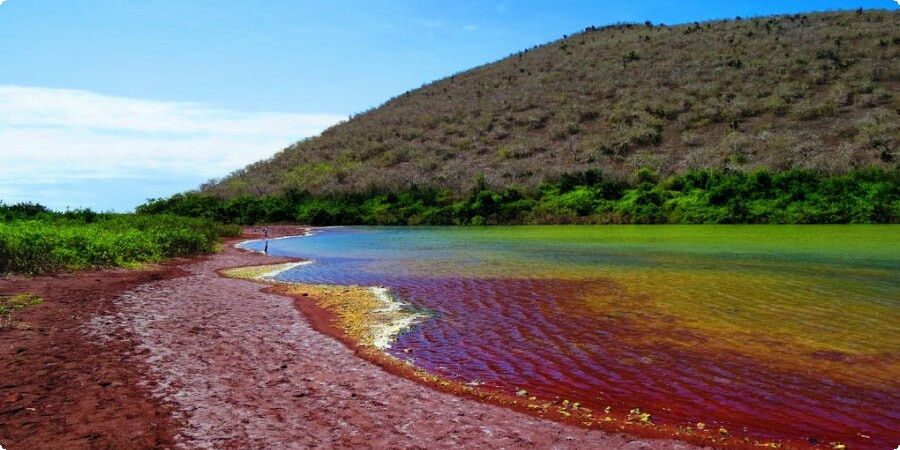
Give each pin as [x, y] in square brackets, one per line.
[179, 356]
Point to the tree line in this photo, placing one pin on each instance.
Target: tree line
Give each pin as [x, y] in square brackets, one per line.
[796, 196]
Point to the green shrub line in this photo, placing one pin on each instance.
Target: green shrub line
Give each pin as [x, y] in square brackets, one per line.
[795, 196]
[35, 240]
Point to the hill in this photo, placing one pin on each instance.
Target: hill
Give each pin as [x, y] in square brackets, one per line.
[811, 91]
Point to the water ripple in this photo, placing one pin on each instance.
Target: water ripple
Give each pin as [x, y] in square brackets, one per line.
[787, 345]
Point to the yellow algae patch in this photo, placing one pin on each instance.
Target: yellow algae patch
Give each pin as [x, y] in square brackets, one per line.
[10, 304]
[261, 273]
[371, 316]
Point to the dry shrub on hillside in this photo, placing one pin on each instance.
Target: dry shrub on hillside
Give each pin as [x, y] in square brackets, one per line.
[814, 91]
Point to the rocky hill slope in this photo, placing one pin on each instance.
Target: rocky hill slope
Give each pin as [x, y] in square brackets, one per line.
[817, 91]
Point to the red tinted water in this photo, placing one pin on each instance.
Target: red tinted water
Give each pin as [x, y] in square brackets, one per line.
[538, 335]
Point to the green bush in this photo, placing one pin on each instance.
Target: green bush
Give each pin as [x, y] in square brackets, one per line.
[71, 242]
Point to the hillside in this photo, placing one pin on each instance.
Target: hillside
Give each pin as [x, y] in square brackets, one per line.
[812, 91]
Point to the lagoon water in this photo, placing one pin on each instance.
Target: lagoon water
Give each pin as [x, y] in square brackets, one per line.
[779, 332]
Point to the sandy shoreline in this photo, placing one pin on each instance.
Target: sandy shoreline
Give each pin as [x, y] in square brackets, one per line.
[197, 360]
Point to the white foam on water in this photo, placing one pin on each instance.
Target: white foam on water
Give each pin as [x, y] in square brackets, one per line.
[386, 333]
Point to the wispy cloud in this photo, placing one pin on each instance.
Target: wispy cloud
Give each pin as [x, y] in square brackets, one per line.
[56, 136]
[432, 24]
[470, 28]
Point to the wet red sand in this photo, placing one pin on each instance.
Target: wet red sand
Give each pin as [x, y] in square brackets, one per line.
[60, 388]
[178, 356]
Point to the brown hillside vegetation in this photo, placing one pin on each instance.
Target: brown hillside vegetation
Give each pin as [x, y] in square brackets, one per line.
[816, 91]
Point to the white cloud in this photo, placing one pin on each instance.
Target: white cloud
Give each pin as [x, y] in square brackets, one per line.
[39, 107]
[470, 28]
[54, 136]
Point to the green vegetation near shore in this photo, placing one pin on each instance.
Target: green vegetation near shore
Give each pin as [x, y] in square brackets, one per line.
[35, 240]
[795, 196]
[12, 303]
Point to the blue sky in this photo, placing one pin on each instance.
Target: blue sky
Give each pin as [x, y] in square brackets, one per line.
[105, 103]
